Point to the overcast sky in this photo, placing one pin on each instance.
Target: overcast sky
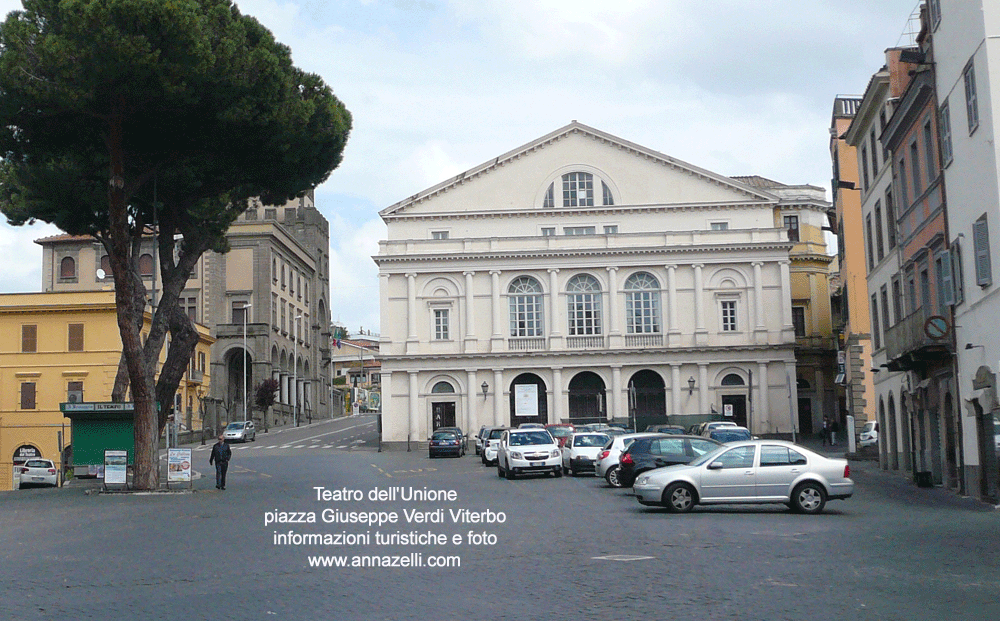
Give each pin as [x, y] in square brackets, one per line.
[439, 86]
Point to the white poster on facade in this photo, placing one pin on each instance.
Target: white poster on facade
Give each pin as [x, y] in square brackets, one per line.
[727, 409]
[179, 465]
[526, 400]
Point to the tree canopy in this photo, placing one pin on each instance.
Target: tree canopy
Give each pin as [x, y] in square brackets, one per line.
[118, 113]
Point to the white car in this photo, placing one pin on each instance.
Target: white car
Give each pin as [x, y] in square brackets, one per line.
[240, 431]
[523, 451]
[607, 458]
[754, 472]
[38, 472]
[869, 434]
[579, 453]
[490, 444]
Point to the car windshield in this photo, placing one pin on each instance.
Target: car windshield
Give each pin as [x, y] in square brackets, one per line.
[443, 435]
[730, 435]
[235, 425]
[530, 437]
[38, 463]
[700, 447]
[495, 433]
[560, 432]
[594, 440]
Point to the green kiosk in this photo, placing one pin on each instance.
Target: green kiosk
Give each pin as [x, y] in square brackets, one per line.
[97, 427]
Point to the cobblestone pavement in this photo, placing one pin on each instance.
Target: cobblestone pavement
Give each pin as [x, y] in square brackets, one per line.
[568, 548]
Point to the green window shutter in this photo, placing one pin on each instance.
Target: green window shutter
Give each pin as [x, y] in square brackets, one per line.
[981, 243]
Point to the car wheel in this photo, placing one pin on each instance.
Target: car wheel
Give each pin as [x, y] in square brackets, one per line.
[809, 498]
[612, 477]
[482, 458]
[557, 473]
[679, 498]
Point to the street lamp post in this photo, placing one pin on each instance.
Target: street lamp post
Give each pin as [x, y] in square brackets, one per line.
[295, 371]
[246, 397]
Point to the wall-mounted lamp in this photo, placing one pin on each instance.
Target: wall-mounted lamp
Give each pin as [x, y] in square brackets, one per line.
[691, 385]
[486, 389]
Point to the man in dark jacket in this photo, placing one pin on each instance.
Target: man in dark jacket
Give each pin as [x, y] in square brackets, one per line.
[221, 453]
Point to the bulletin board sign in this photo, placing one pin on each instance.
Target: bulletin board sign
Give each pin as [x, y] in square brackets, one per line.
[179, 466]
[115, 468]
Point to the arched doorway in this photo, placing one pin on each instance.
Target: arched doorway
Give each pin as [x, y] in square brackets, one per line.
[647, 397]
[528, 400]
[443, 406]
[586, 398]
[239, 374]
[734, 406]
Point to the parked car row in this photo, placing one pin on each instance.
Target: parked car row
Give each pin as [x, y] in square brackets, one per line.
[723, 465]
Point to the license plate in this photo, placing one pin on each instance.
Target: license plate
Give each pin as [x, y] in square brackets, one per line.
[37, 478]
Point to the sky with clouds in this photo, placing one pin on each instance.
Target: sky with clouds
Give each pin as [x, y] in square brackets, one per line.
[439, 86]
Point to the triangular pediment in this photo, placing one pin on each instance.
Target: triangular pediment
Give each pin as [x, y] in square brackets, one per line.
[517, 181]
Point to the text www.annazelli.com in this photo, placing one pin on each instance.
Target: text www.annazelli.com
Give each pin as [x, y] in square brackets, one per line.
[414, 559]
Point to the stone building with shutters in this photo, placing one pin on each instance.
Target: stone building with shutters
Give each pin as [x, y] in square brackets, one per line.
[581, 278]
[266, 302]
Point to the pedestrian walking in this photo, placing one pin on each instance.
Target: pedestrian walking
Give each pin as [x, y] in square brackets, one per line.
[834, 428]
[826, 429]
[221, 454]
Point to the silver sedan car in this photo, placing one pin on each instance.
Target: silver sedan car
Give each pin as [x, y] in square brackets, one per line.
[758, 471]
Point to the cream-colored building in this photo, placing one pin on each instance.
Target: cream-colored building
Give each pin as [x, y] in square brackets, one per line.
[64, 348]
[266, 302]
[582, 277]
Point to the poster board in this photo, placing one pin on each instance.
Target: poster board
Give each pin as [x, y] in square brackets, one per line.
[178, 465]
[115, 468]
[526, 400]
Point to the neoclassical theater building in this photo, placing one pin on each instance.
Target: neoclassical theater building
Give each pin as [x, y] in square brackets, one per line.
[581, 278]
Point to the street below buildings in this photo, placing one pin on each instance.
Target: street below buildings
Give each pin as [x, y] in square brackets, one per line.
[563, 548]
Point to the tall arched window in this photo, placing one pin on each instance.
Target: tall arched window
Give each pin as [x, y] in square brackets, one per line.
[146, 265]
[525, 297]
[642, 304]
[67, 268]
[584, 305]
[442, 387]
[578, 189]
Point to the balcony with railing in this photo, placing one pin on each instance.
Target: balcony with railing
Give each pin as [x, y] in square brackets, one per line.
[909, 346]
[526, 343]
[593, 341]
[643, 340]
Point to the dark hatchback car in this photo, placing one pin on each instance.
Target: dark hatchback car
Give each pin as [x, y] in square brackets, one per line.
[445, 443]
[461, 436]
[657, 452]
[676, 430]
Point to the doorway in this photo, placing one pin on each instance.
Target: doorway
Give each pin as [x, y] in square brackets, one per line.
[738, 405]
[443, 415]
[805, 416]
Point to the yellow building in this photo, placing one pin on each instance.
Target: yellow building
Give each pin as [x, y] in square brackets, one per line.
[855, 343]
[65, 347]
[804, 213]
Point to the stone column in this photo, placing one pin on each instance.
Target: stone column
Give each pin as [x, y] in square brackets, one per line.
[700, 331]
[760, 330]
[387, 412]
[496, 340]
[792, 422]
[555, 317]
[674, 329]
[411, 313]
[763, 408]
[675, 389]
[470, 314]
[413, 427]
[787, 330]
[498, 397]
[557, 392]
[703, 388]
[616, 393]
[614, 329]
[471, 423]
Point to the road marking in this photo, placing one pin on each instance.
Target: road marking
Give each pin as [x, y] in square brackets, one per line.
[382, 471]
[621, 558]
[342, 447]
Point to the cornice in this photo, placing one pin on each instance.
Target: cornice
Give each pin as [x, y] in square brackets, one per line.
[567, 253]
[461, 360]
[597, 210]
